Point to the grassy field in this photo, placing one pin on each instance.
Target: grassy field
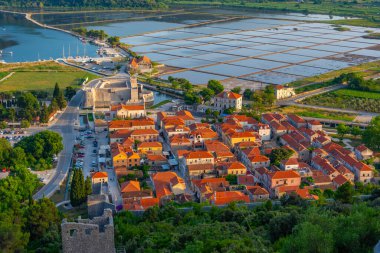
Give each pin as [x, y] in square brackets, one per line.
[358, 93]
[366, 69]
[315, 113]
[159, 104]
[41, 76]
[347, 99]
[3, 74]
[312, 87]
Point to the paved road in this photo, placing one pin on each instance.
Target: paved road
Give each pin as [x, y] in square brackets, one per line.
[64, 126]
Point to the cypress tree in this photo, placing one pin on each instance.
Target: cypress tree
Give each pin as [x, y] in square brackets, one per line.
[88, 186]
[56, 90]
[77, 192]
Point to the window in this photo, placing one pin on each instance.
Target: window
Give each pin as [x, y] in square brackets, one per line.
[73, 232]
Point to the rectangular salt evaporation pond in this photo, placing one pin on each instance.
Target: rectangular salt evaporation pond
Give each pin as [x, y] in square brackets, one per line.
[311, 53]
[303, 34]
[235, 43]
[335, 36]
[335, 49]
[196, 77]
[160, 57]
[284, 36]
[302, 70]
[247, 52]
[175, 35]
[231, 36]
[315, 39]
[327, 64]
[295, 43]
[367, 52]
[350, 44]
[272, 48]
[273, 78]
[289, 58]
[240, 25]
[209, 30]
[213, 48]
[186, 63]
[183, 52]
[229, 70]
[217, 57]
[141, 40]
[259, 64]
[263, 40]
[151, 48]
[256, 33]
[364, 40]
[208, 39]
[133, 27]
[182, 43]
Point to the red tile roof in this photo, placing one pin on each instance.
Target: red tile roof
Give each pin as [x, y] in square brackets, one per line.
[223, 198]
[100, 174]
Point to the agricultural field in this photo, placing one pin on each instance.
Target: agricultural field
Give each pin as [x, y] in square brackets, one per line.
[41, 76]
[316, 113]
[347, 99]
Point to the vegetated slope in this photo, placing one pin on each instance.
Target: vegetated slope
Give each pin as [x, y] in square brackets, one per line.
[83, 3]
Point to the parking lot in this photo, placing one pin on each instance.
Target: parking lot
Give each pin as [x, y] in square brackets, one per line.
[86, 157]
[13, 136]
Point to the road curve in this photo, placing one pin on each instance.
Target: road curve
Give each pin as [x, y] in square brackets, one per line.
[65, 127]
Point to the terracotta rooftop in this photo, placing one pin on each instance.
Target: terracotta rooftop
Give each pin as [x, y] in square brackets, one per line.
[228, 94]
[100, 174]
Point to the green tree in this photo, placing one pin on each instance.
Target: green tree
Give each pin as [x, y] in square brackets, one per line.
[77, 189]
[88, 186]
[44, 114]
[236, 90]
[24, 124]
[345, 193]
[41, 215]
[206, 94]
[70, 92]
[3, 124]
[216, 86]
[309, 237]
[371, 135]
[355, 131]
[342, 130]
[279, 154]
[56, 90]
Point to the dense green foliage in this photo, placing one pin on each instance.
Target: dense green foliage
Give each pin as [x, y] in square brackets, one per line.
[26, 225]
[96, 34]
[344, 100]
[371, 136]
[29, 107]
[296, 226]
[261, 99]
[279, 154]
[36, 151]
[357, 82]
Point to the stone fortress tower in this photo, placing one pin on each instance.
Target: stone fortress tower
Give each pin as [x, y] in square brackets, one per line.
[89, 236]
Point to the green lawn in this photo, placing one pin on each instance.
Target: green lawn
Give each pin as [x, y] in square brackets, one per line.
[3, 74]
[358, 94]
[20, 81]
[159, 104]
